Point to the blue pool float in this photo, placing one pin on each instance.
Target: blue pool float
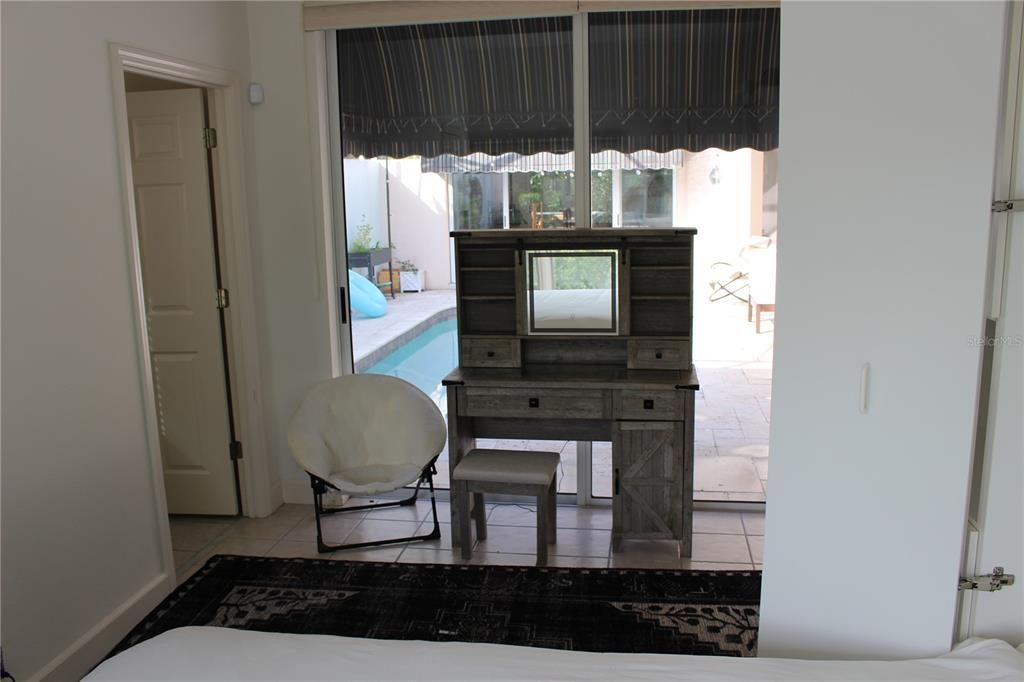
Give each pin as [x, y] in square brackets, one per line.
[365, 297]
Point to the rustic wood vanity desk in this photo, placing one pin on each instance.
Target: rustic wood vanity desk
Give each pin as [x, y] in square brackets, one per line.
[583, 335]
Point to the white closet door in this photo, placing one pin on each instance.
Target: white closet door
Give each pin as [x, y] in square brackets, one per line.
[172, 203]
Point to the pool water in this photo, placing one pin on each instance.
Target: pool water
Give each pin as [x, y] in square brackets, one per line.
[424, 360]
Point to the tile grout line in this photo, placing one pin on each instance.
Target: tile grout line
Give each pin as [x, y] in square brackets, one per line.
[422, 520]
[746, 538]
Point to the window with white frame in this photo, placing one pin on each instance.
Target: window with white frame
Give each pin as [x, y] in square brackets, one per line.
[620, 198]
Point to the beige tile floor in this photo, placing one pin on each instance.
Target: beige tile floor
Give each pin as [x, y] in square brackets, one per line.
[722, 540]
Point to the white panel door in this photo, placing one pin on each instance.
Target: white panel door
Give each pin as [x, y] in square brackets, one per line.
[173, 208]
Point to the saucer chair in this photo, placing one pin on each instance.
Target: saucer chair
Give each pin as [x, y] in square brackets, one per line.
[366, 435]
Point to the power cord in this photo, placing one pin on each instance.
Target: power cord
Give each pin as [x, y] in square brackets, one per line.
[4, 675]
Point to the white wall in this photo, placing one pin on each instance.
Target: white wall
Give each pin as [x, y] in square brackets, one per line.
[887, 134]
[770, 186]
[419, 212]
[721, 212]
[364, 198]
[419, 220]
[80, 536]
[289, 237]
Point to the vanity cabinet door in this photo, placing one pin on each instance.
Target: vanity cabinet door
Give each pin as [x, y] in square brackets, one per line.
[648, 461]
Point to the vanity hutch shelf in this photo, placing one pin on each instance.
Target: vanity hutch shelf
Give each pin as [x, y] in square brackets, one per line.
[632, 383]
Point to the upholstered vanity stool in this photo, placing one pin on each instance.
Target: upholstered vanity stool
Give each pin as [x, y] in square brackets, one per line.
[512, 472]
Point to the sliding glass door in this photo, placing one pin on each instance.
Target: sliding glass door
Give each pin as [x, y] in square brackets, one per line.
[447, 126]
[595, 120]
[683, 124]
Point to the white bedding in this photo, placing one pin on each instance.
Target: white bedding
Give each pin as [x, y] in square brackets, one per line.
[572, 308]
[202, 653]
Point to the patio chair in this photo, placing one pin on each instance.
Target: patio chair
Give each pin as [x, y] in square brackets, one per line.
[761, 256]
[367, 435]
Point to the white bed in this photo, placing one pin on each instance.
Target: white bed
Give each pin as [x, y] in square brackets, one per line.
[203, 653]
[560, 309]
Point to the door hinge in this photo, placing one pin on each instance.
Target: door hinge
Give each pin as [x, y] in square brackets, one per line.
[235, 450]
[991, 582]
[223, 300]
[1005, 206]
[210, 137]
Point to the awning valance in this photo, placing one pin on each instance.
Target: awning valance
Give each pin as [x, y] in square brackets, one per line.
[546, 161]
[660, 81]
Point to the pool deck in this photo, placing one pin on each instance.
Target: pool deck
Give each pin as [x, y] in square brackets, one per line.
[733, 407]
[408, 315]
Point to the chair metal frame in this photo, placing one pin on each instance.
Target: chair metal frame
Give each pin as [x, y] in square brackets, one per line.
[321, 487]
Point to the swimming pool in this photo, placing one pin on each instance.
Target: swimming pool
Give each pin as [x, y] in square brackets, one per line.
[424, 360]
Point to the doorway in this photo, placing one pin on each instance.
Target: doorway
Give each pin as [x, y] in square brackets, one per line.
[171, 144]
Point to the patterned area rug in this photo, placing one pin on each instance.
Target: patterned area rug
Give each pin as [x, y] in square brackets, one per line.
[644, 611]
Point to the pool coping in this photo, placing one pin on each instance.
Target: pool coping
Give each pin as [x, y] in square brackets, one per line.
[382, 351]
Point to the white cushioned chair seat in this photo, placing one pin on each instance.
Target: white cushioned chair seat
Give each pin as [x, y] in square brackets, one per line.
[507, 466]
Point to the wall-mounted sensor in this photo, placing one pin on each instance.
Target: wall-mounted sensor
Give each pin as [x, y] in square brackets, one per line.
[255, 93]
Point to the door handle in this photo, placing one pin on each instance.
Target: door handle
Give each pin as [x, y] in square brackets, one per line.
[534, 402]
[648, 404]
[342, 305]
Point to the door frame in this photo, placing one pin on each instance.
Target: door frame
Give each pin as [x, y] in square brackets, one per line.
[1011, 127]
[322, 88]
[259, 495]
[327, 169]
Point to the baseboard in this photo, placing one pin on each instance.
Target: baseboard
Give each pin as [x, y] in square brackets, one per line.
[79, 658]
[296, 492]
[276, 496]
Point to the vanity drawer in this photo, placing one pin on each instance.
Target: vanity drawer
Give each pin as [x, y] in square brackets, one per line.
[659, 354]
[631, 404]
[537, 403]
[490, 352]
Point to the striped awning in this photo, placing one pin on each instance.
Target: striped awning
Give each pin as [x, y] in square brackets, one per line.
[660, 81]
[546, 161]
[685, 79]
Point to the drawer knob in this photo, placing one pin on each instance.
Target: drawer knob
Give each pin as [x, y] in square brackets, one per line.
[534, 402]
[657, 356]
[490, 353]
[648, 404]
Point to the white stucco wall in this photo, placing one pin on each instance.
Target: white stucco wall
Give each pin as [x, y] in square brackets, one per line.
[81, 540]
[419, 212]
[419, 220]
[364, 198]
[289, 235]
[720, 212]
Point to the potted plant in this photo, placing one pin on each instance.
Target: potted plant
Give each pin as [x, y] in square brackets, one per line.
[366, 254]
[362, 242]
[410, 276]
